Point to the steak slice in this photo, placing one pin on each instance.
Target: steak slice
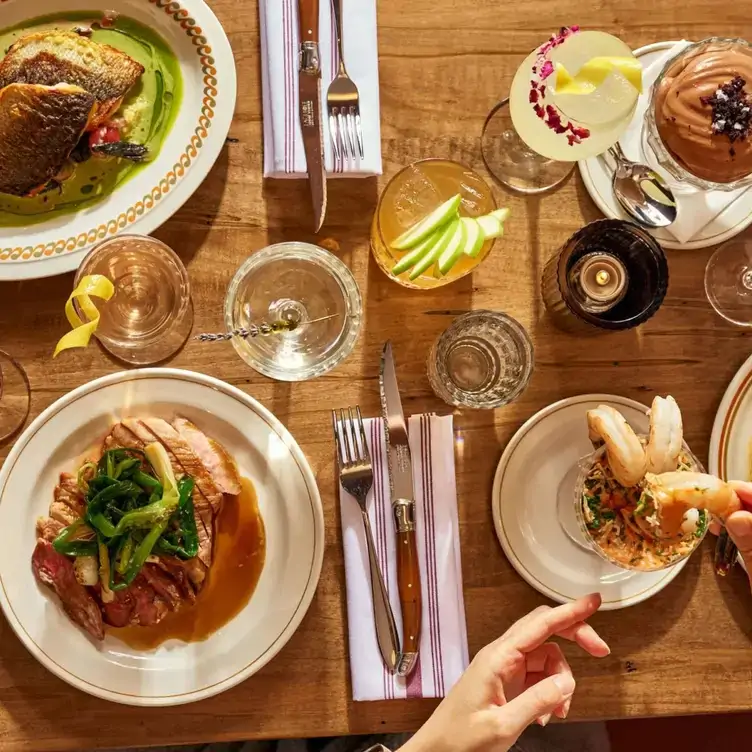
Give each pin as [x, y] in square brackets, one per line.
[214, 457]
[56, 571]
[48, 529]
[119, 612]
[121, 437]
[189, 575]
[70, 494]
[163, 585]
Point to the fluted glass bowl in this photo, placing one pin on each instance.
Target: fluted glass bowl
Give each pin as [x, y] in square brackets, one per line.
[663, 156]
[586, 465]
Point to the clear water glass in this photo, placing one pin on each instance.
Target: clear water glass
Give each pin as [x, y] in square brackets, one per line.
[482, 361]
[306, 288]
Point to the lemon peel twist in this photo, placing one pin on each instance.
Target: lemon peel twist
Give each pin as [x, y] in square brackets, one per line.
[92, 284]
[595, 71]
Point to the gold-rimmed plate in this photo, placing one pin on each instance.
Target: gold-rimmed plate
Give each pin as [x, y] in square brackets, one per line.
[157, 190]
[176, 672]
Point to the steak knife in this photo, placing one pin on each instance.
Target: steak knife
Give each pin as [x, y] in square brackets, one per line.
[403, 507]
[309, 80]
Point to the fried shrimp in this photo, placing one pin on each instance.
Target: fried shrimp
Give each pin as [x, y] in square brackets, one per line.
[625, 453]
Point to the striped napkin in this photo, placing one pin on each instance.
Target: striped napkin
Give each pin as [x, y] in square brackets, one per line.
[283, 142]
[443, 646]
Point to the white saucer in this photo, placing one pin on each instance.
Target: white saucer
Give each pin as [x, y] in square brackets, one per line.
[535, 482]
[597, 173]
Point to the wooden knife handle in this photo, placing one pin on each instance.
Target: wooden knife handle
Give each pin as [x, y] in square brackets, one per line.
[408, 577]
[308, 11]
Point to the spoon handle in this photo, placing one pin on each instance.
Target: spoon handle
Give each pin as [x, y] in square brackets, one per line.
[616, 152]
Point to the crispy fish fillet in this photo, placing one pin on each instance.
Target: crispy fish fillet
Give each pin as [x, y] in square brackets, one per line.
[53, 57]
[39, 127]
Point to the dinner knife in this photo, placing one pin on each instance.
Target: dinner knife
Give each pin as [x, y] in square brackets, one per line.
[403, 507]
[309, 80]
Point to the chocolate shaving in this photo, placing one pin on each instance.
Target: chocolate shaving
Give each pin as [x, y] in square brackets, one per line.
[732, 110]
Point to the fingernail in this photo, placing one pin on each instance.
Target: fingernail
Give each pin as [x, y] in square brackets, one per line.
[565, 683]
[544, 719]
[567, 705]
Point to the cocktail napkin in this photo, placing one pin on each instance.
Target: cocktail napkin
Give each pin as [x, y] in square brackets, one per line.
[443, 646]
[283, 142]
[697, 209]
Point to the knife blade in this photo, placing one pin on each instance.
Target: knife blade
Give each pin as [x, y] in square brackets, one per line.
[403, 507]
[309, 81]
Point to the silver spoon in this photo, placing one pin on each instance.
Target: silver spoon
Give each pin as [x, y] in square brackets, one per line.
[642, 192]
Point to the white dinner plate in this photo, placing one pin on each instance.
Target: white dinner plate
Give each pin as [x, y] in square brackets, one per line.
[731, 439]
[155, 193]
[597, 174]
[533, 507]
[289, 503]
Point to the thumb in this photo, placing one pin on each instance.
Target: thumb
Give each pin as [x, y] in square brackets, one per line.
[739, 526]
[540, 699]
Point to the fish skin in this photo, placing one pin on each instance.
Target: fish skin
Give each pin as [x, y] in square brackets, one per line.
[39, 128]
[56, 56]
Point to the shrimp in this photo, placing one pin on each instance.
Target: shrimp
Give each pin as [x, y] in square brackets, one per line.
[624, 451]
[666, 436]
[676, 493]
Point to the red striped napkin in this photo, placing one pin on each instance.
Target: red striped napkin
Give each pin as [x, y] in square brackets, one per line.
[283, 141]
[443, 646]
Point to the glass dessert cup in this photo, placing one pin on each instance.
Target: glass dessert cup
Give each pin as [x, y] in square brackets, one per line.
[658, 151]
[309, 290]
[586, 465]
[150, 315]
[414, 192]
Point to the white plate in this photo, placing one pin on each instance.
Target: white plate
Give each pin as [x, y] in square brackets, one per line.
[289, 502]
[597, 173]
[535, 481]
[732, 431]
[156, 192]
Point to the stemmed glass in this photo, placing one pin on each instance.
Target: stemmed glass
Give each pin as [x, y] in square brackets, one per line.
[728, 281]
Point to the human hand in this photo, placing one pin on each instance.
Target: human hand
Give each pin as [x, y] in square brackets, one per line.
[514, 681]
[739, 524]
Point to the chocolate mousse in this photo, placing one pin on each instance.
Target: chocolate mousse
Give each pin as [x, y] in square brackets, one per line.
[703, 112]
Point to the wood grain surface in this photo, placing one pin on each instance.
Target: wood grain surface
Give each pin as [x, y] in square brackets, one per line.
[443, 65]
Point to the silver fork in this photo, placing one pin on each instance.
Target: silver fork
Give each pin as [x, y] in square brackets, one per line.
[356, 477]
[343, 103]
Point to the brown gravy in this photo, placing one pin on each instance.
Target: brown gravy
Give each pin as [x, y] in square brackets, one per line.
[239, 553]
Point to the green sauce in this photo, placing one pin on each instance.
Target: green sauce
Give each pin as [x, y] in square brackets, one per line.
[149, 110]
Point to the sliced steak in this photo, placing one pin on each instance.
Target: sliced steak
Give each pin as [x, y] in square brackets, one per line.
[48, 529]
[181, 571]
[62, 513]
[70, 494]
[201, 504]
[56, 571]
[213, 456]
[163, 585]
[120, 437]
[119, 612]
[149, 608]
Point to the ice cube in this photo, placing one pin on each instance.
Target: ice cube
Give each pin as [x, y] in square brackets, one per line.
[416, 197]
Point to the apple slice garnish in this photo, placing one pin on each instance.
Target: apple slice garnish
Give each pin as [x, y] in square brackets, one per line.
[454, 249]
[416, 254]
[490, 226]
[433, 255]
[422, 229]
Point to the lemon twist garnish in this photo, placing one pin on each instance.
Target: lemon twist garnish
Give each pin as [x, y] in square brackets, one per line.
[91, 284]
[595, 71]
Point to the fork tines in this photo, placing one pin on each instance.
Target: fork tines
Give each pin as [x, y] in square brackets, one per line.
[350, 436]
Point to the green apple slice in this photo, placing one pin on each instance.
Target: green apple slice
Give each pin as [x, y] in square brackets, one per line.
[501, 214]
[454, 249]
[433, 255]
[427, 225]
[475, 237]
[491, 226]
[416, 254]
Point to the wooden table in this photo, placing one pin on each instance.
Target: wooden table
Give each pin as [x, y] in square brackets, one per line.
[442, 69]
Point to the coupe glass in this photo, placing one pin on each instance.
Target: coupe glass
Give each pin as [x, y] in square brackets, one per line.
[728, 281]
[311, 292]
[483, 360]
[150, 315]
[415, 192]
[14, 396]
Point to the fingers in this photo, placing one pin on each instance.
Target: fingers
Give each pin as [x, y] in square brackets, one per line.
[744, 491]
[739, 527]
[539, 701]
[715, 527]
[547, 660]
[542, 625]
[587, 638]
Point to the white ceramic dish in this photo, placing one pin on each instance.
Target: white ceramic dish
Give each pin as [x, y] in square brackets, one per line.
[732, 430]
[289, 503]
[156, 192]
[597, 174]
[533, 508]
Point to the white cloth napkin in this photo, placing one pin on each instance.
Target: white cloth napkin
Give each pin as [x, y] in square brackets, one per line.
[697, 209]
[283, 142]
[443, 652]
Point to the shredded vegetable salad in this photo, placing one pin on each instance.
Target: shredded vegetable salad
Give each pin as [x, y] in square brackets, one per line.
[624, 522]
